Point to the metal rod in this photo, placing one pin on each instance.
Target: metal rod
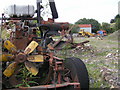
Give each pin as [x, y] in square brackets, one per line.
[38, 14]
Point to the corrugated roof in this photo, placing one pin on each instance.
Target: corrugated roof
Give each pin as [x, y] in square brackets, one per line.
[85, 25]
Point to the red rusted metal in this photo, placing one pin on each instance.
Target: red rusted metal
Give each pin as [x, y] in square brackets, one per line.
[21, 57]
[51, 59]
[74, 86]
[59, 68]
[59, 78]
[21, 41]
[22, 36]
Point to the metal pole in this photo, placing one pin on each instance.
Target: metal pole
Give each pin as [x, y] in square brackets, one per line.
[38, 14]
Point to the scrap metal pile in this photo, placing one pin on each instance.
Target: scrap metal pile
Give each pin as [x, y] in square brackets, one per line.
[28, 57]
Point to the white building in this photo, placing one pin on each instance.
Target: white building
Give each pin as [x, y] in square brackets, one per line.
[86, 27]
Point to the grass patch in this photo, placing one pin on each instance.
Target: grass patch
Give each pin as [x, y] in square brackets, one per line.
[104, 53]
[115, 48]
[95, 76]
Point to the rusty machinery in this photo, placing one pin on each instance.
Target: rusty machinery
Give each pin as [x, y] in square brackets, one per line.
[31, 47]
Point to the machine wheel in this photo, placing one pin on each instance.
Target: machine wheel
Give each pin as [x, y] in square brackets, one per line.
[77, 71]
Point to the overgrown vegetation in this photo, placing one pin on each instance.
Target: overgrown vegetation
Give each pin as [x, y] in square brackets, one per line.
[26, 77]
[106, 26]
[115, 23]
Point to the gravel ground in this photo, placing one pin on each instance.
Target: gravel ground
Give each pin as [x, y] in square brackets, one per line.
[101, 59]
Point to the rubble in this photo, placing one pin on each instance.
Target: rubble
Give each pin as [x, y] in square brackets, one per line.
[108, 55]
[101, 59]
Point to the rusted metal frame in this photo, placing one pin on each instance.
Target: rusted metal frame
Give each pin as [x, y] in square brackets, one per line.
[51, 59]
[79, 44]
[58, 66]
[53, 63]
[56, 43]
[76, 85]
[59, 78]
[60, 69]
[52, 86]
[82, 43]
[12, 36]
[25, 18]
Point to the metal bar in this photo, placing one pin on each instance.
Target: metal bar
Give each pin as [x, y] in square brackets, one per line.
[38, 14]
[25, 18]
[57, 42]
[52, 86]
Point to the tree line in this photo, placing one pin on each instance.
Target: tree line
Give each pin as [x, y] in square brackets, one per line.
[114, 24]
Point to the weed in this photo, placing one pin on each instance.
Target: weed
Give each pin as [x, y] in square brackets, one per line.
[26, 77]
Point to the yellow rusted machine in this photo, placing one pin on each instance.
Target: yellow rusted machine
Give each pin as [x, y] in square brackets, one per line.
[28, 55]
[84, 33]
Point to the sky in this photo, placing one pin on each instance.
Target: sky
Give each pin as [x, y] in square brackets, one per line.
[73, 10]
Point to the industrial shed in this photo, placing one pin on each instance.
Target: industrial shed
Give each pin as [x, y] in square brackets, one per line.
[86, 27]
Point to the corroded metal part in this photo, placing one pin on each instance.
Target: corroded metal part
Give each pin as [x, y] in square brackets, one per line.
[20, 58]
